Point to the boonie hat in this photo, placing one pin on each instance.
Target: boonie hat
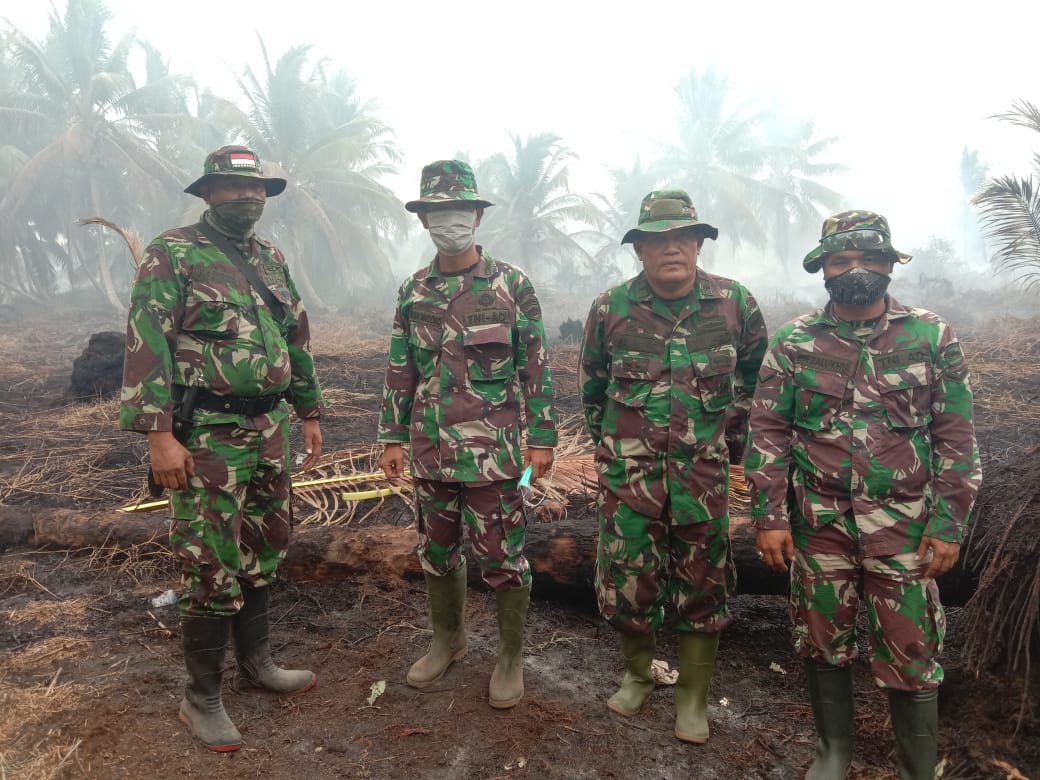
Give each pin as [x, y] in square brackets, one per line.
[235, 161]
[867, 231]
[445, 181]
[664, 210]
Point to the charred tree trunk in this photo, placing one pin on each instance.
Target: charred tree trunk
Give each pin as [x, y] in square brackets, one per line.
[562, 553]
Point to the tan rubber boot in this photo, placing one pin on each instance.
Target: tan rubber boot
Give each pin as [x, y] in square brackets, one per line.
[251, 632]
[696, 666]
[447, 596]
[637, 651]
[507, 680]
[205, 642]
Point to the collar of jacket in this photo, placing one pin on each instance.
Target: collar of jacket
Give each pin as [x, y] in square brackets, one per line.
[485, 266]
[704, 286]
[893, 311]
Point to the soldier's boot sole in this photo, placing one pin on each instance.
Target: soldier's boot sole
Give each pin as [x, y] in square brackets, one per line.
[211, 726]
[432, 667]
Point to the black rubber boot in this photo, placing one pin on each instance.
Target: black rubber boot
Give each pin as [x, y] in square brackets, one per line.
[205, 641]
[447, 596]
[637, 651]
[915, 721]
[251, 630]
[830, 690]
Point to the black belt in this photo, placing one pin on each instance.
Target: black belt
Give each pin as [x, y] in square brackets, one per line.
[229, 404]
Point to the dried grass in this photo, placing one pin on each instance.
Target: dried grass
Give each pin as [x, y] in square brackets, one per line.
[1004, 363]
[31, 658]
[1002, 618]
[24, 708]
[45, 613]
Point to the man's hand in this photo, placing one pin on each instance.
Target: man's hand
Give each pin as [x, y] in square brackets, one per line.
[171, 461]
[311, 443]
[772, 546]
[944, 555]
[540, 460]
[392, 461]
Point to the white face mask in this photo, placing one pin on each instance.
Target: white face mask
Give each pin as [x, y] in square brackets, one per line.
[452, 231]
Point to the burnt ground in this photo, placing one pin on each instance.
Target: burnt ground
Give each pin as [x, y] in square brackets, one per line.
[90, 672]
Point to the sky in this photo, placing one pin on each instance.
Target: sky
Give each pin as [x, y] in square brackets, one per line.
[904, 85]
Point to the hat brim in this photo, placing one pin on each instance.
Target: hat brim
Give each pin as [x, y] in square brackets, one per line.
[415, 206]
[272, 184]
[813, 261]
[664, 225]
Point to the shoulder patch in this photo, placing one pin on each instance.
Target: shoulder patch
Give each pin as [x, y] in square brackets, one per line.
[527, 302]
[953, 361]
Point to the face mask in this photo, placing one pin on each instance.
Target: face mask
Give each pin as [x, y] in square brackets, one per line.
[239, 214]
[452, 231]
[857, 287]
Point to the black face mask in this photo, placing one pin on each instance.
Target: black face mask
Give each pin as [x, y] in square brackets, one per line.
[239, 214]
[857, 287]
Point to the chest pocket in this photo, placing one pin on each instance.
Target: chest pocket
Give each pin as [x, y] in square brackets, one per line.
[632, 377]
[425, 334]
[714, 371]
[906, 395]
[489, 353]
[818, 400]
[208, 314]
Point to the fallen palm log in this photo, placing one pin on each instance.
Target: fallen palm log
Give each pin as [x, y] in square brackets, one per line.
[562, 553]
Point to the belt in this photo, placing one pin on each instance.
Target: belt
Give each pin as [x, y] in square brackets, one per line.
[230, 404]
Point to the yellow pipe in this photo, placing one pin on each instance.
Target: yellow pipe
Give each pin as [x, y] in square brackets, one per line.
[361, 496]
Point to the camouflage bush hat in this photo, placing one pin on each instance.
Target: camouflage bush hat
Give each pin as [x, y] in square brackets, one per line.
[864, 230]
[444, 181]
[235, 161]
[664, 210]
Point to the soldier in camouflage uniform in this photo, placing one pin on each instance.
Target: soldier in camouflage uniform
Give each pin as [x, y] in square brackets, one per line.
[866, 409]
[668, 368]
[467, 344]
[198, 328]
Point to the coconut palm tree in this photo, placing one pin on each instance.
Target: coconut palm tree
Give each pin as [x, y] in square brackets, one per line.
[537, 222]
[1009, 208]
[620, 213]
[80, 120]
[973, 174]
[790, 195]
[336, 218]
[719, 156]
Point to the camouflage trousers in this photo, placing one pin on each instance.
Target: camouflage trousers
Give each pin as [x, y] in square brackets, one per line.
[494, 514]
[642, 562]
[906, 622]
[231, 526]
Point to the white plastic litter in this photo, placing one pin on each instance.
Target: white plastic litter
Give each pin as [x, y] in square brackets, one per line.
[164, 599]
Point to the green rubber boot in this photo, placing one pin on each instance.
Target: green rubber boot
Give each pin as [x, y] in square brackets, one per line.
[507, 680]
[637, 651]
[830, 691]
[447, 596]
[205, 642]
[915, 721]
[251, 630]
[696, 666]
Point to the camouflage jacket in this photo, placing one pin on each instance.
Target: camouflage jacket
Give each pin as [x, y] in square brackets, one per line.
[879, 422]
[195, 319]
[464, 347]
[657, 386]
